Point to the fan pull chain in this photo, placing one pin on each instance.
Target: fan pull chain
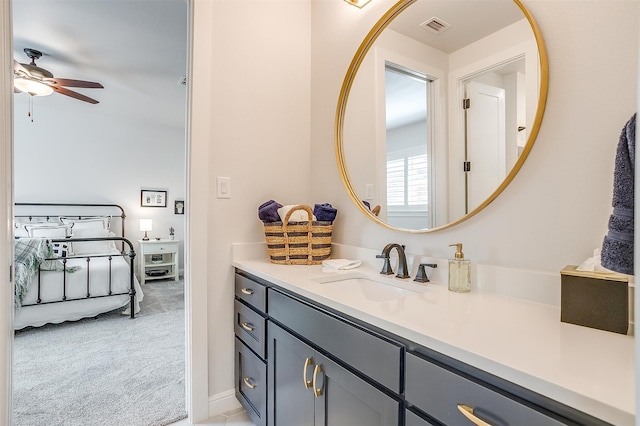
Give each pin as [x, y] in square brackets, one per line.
[30, 113]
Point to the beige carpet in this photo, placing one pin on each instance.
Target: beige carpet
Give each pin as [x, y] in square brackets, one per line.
[105, 371]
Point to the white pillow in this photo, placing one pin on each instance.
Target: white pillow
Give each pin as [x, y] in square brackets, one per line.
[20, 232]
[47, 231]
[102, 222]
[92, 247]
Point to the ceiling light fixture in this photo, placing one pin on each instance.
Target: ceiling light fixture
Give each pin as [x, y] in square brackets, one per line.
[32, 87]
[358, 3]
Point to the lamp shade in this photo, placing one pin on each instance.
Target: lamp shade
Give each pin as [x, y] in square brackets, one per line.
[146, 225]
[34, 88]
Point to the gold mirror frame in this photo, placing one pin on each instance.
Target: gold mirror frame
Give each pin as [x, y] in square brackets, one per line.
[350, 76]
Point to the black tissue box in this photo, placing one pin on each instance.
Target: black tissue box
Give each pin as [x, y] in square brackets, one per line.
[595, 299]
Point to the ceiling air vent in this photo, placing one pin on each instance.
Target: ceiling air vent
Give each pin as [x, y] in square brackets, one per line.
[435, 25]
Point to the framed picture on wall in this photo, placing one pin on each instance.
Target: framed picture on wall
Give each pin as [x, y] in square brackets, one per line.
[178, 207]
[153, 198]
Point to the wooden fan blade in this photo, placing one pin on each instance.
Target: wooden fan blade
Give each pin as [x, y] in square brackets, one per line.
[73, 94]
[74, 83]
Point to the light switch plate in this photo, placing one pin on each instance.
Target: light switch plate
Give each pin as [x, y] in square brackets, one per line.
[368, 191]
[224, 187]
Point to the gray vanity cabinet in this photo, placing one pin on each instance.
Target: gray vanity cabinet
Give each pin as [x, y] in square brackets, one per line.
[299, 363]
[250, 348]
[307, 388]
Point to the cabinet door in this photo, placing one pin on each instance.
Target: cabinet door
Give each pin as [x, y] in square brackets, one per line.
[342, 398]
[290, 369]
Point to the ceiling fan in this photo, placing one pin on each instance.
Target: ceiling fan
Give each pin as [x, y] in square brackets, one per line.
[30, 78]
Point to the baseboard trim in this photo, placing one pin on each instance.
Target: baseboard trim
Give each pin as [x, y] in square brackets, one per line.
[223, 402]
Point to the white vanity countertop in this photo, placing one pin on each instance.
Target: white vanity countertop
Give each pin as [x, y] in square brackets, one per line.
[521, 341]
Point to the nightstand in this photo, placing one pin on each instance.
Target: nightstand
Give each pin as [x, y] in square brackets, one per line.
[155, 257]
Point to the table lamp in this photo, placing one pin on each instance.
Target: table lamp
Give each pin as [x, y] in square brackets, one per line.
[145, 225]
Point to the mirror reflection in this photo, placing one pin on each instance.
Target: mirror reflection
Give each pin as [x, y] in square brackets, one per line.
[442, 111]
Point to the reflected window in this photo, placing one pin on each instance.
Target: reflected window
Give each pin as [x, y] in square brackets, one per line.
[408, 182]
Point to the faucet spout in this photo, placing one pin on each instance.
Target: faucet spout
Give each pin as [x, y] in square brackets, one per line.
[402, 260]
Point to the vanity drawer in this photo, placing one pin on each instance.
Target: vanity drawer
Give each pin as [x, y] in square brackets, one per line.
[375, 356]
[251, 383]
[440, 392]
[412, 419]
[252, 292]
[250, 327]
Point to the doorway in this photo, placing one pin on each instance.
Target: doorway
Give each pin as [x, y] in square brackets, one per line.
[197, 395]
[408, 116]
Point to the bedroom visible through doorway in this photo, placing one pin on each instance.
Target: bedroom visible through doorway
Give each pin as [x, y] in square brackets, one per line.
[134, 138]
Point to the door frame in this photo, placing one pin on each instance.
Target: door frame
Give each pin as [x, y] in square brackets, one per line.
[197, 394]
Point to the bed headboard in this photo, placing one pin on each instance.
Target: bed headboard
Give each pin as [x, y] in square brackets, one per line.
[51, 212]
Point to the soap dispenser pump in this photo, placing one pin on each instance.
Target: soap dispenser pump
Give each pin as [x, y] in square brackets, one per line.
[459, 271]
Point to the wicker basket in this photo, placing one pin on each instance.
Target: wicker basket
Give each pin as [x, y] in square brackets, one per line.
[298, 243]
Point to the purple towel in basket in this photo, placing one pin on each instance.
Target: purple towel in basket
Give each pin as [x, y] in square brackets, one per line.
[325, 212]
[268, 211]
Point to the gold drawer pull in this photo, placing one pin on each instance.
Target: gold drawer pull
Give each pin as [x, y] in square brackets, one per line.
[317, 391]
[247, 326]
[468, 413]
[247, 381]
[246, 291]
[307, 363]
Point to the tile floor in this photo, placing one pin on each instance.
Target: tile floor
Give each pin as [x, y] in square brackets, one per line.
[233, 418]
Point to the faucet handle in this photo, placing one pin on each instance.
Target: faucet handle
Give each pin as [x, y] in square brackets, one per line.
[421, 276]
[386, 268]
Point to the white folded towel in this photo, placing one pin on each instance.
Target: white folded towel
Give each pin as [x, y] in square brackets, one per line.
[341, 263]
[297, 216]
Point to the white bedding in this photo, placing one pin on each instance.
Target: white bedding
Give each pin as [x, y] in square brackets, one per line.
[52, 289]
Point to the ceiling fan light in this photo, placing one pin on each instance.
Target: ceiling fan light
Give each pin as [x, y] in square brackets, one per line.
[34, 88]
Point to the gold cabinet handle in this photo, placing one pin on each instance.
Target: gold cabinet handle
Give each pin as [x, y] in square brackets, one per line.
[468, 413]
[247, 326]
[307, 363]
[247, 381]
[317, 391]
[246, 291]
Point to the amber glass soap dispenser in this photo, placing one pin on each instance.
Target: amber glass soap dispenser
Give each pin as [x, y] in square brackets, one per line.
[459, 271]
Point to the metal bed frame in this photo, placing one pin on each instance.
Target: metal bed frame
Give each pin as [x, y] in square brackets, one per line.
[123, 253]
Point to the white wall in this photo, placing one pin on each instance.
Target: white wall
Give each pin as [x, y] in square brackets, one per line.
[555, 212]
[73, 152]
[255, 127]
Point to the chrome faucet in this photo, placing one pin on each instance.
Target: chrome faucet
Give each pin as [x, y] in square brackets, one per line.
[402, 261]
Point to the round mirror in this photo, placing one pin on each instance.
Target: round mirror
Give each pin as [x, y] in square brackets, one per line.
[439, 109]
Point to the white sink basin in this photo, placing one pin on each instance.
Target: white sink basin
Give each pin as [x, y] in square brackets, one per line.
[377, 288]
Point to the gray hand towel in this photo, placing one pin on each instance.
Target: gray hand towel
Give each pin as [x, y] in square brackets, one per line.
[617, 247]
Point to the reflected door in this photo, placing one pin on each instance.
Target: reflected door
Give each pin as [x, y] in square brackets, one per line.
[486, 165]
